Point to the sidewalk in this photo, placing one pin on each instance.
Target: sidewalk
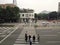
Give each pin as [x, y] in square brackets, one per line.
[21, 40]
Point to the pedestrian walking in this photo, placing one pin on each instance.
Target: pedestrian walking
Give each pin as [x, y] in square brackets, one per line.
[33, 38]
[29, 37]
[38, 37]
[26, 37]
[30, 41]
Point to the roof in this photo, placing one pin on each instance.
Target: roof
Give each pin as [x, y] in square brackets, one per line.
[26, 11]
[5, 5]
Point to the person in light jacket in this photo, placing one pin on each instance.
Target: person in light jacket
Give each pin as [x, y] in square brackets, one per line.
[38, 37]
[30, 41]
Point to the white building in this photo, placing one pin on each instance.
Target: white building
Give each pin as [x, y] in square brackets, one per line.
[26, 15]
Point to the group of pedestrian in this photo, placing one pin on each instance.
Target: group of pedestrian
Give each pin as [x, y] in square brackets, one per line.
[31, 39]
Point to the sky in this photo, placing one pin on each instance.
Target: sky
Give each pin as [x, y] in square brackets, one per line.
[36, 5]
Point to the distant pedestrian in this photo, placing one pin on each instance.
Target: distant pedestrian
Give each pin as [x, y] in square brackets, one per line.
[38, 37]
[26, 37]
[30, 41]
[33, 38]
[29, 37]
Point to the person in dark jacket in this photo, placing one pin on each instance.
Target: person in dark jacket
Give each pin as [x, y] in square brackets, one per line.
[29, 37]
[38, 37]
[33, 38]
[26, 37]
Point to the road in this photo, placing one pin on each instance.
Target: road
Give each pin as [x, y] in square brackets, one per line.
[48, 36]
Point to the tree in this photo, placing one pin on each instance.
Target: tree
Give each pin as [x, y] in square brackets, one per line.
[58, 15]
[16, 14]
[1, 15]
[36, 17]
[53, 15]
[13, 13]
[9, 14]
[43, 16]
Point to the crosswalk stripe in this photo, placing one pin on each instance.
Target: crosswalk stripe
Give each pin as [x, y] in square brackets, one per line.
[21, 41]
[53, 41]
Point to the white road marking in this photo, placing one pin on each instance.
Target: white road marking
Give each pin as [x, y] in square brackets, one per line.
[20, 44]
[8, 35]
[58, 32]
[5, 31]
[21, 40]
[2, 35]
[48, 35]
[53, 41]
[46, 31]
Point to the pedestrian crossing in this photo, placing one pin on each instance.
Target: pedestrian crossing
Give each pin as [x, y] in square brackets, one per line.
[21, 39]
[23, 42]
[4, 31]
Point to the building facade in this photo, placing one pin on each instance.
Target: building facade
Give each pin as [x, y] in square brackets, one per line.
[5, 5]
[59, 7]
[26, 15]
[14, 4]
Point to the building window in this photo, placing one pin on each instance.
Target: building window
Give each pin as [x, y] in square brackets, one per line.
[29, 14]
[22, 14]
[26, 15]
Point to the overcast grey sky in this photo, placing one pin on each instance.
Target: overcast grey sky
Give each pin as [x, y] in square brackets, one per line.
[37, 5]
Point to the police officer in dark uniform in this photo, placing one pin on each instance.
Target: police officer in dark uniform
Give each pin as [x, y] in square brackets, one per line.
[33, 38]
[26, 37]
[29, 37]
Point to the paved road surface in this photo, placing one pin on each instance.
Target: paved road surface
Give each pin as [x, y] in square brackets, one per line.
[48, 36]
[11, 39]
[30, 31]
